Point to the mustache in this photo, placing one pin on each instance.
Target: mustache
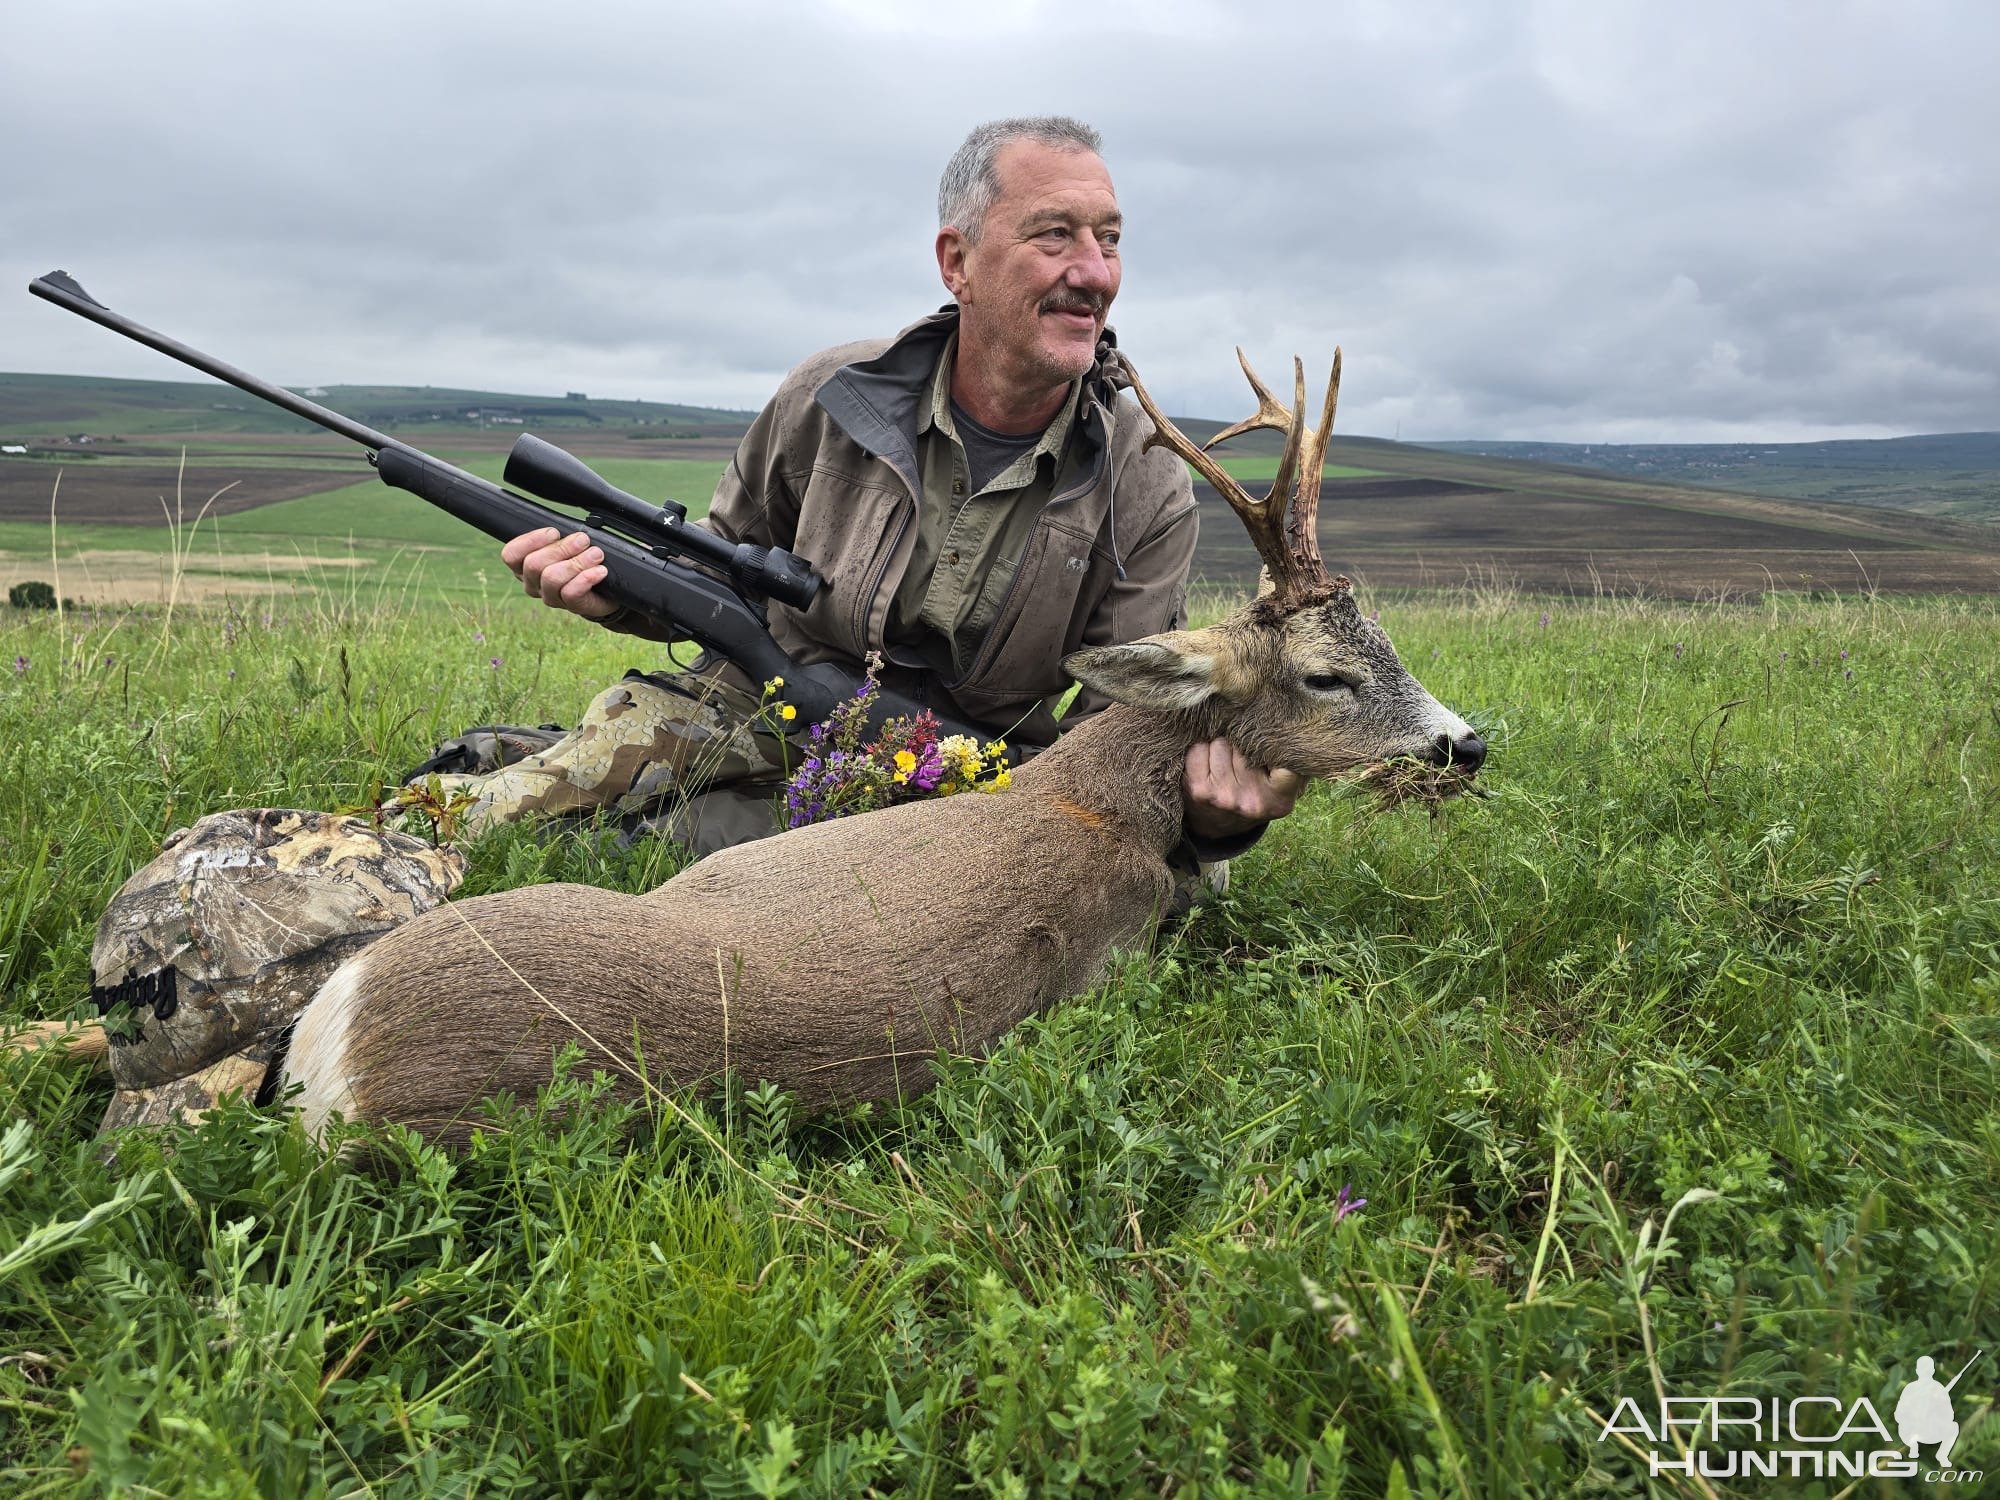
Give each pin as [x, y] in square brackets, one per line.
[1068, 301]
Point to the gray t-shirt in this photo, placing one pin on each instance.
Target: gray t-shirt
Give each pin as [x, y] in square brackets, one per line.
[988, 452]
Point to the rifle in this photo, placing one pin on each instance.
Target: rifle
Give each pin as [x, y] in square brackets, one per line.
[653, 558]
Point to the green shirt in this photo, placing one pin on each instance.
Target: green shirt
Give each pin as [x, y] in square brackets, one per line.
[968, 545]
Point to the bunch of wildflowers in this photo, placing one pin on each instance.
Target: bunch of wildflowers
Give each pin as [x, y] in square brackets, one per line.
[846, 772]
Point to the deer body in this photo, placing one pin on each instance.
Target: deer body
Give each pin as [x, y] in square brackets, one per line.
[837, 960]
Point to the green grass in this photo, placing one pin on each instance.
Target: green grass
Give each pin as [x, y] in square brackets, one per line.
[1729, 921]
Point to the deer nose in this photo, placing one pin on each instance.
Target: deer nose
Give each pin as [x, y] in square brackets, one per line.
[1466, 754]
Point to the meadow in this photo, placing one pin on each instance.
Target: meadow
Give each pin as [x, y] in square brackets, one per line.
[1666, 1067]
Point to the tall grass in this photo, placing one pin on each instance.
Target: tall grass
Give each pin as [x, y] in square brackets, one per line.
[1727, 924]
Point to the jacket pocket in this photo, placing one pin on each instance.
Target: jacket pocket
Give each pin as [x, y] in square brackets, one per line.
[850, 525]
[1051, 593]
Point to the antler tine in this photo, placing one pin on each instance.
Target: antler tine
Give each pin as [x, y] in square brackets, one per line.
[1268, 412]
[1263, 519]
[1280, 493]
[1302, 527]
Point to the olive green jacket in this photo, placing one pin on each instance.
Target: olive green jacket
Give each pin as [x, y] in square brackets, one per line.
[830, 469]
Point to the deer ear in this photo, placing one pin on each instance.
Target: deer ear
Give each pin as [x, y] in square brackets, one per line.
[1162, 672]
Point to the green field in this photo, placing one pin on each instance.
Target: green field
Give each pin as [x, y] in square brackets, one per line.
[396, 539]
[1952, 474]
[1264, 469]
[1728, 925]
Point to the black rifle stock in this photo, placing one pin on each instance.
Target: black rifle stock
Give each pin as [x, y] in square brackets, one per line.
[643, 544]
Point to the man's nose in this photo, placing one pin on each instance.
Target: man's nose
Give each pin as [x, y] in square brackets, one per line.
[1090, 269]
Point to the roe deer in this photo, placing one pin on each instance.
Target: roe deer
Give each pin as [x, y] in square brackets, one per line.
[836, 960]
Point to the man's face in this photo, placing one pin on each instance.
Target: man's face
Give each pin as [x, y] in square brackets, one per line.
[1035, 290]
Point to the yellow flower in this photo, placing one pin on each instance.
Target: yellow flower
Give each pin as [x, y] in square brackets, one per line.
[905, 764]
[775, 683]
[999, 783]
[788, 712]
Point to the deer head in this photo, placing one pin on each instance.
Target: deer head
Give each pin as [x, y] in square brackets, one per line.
[1300, 677]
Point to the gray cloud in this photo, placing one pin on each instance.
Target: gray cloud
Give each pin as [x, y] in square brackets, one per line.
[1562, 221]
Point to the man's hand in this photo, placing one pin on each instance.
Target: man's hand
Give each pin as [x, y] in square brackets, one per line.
[561, 571]
[1226, 795]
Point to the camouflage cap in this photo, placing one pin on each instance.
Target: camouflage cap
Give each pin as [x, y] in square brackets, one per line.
[207, 954]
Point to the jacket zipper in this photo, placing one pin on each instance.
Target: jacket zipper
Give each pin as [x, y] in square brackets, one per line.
[875, 581]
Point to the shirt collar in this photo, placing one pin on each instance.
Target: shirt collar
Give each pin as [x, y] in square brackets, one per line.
[937, 411]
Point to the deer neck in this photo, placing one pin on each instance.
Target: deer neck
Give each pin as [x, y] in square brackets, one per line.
[1126, 764]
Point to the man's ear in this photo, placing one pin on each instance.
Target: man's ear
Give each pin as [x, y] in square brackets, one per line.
[1178, 670]
[951, 248]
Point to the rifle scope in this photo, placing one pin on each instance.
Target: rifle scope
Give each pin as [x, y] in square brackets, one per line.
[543, 469]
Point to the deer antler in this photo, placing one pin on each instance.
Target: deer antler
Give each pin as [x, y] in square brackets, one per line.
[1289, 547]
[1303, 531]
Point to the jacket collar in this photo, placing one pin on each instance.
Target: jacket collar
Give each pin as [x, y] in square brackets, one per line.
[878, 402]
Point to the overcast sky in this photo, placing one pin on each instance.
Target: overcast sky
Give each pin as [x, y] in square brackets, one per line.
[1591, 222]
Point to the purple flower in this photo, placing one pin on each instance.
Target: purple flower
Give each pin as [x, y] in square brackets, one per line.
[494, 660]
[1843, 656]
[110, 659]
[267, 619]
[1345, 1203]
[1677, 650]
[20, 665]
[1848, 674]
[1545, 619]
[479, 637]
[232, 674]
[1784, 656]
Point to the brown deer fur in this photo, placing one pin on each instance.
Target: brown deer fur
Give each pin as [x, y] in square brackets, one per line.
[838, 960]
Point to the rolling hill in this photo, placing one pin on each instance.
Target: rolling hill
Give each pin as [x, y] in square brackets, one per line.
[1947, 474]
[1393, 514]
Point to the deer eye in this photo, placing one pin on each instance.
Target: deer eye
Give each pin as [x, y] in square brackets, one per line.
[1328, 682]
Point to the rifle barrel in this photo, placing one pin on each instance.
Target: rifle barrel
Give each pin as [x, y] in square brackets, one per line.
[1962, 1369]
[62, 289]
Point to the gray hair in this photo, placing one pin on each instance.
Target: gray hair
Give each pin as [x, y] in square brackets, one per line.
[971, 182]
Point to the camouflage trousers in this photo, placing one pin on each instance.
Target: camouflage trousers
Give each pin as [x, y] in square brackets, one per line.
[686, 753]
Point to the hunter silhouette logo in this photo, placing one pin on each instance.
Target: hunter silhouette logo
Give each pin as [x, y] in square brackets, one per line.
[1924, 1414]
[1819, 1437]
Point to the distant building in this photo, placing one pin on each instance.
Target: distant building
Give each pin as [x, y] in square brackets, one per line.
[13, 448]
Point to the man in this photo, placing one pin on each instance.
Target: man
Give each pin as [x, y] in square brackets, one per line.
[1924, 1414]
[973, 490]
